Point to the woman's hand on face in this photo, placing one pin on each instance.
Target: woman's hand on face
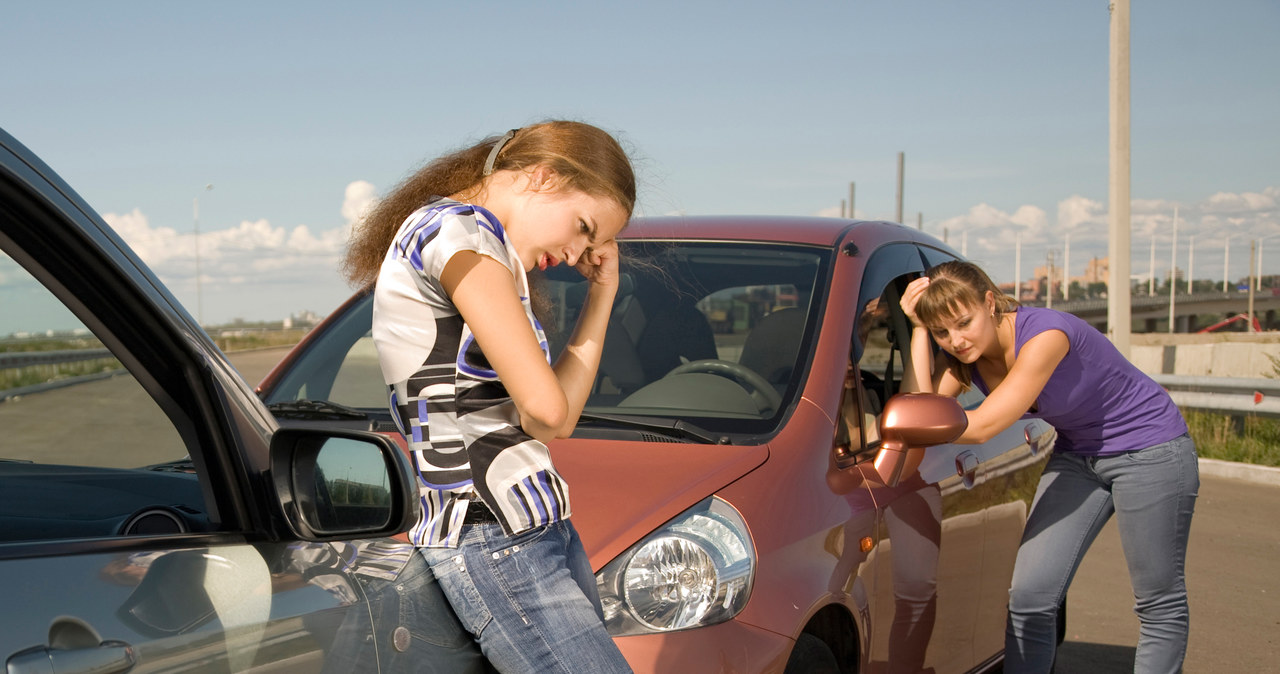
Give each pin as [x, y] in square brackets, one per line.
[599, 264]
[911, 297]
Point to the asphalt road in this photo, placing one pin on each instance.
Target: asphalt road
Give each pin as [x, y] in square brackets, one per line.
[1233, 580]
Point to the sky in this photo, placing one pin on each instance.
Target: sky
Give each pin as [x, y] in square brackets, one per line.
[270, 126]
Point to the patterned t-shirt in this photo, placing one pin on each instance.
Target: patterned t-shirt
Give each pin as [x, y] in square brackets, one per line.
[461, 425]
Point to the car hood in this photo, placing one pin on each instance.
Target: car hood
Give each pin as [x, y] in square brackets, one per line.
[621, 491]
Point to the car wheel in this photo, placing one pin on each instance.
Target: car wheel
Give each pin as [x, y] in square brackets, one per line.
[811, 656]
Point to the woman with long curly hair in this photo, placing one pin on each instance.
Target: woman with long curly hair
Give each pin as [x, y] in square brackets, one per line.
[470, 381]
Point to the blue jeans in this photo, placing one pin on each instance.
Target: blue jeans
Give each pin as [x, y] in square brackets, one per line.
[529, 599]
[1153, 493]
[414, 629]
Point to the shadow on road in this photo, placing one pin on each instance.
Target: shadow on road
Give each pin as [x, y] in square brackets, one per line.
[1076, 656]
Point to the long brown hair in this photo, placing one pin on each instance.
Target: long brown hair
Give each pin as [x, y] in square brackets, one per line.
[954, 287]
[585, 158]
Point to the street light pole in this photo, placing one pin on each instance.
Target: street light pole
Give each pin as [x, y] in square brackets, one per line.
[1119, 319]
[1151, 274]
[1191, 261]
[1017, 266]
[1173, 267]
[1257, 279]
[1066, 270]
[195, 221]
[1226, 260]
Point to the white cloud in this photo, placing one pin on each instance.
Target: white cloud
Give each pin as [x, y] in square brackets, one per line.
[1225, 203]
[360, 196]
[283, 266]
[1077, 212]
[155, 246]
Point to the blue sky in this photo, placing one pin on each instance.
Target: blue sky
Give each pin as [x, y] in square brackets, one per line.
[300, 113]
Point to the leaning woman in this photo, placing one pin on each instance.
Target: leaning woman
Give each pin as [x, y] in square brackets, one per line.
[1122, 449]
[470, 380]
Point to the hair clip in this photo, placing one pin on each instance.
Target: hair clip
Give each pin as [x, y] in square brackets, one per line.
[493, 154]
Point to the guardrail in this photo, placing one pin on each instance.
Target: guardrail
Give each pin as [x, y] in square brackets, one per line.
[47, 363]
[1235, 396]
[10, 359]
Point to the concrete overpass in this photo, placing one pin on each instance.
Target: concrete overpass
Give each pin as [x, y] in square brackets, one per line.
[1191, 311]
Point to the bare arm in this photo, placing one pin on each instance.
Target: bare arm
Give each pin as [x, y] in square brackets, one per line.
[922, 374]
[549, 400]
[1011, 398]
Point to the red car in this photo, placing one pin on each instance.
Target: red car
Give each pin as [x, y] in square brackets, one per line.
[748, 499]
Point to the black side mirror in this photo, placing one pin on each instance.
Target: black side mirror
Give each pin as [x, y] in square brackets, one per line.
[342, 484]
[910, 423]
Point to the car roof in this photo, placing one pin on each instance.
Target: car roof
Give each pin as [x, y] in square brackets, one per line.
[789, 229]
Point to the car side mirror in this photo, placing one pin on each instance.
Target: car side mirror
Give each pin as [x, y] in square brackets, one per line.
[910, 423]
[336, 483]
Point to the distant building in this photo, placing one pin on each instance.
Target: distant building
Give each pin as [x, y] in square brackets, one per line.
[1097, 271]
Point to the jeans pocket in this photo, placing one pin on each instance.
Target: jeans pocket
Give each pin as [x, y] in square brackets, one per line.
[1155, 453]
[502, 545]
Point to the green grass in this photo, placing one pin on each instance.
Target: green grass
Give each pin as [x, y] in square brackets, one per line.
[1218, 436]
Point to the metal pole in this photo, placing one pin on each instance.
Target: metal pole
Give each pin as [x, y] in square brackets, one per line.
[842, 208]
[1173, 266]
[195, 222]
[1118, 304]
[902, 160]
[851, 189]
[920, 221]
[1066, 270]
[1226, 259]
[1017, 266]
[1151, 275]
[1191, 261]
[1252, 245]
[1048, 292]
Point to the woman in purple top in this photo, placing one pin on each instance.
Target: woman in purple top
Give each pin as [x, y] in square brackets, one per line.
[1122, 448]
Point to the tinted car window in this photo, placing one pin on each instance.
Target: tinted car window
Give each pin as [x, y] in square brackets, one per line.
[85, 450]
[713, 335]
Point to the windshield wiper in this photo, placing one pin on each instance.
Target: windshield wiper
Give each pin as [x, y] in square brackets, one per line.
[672, 428]
[323, 410]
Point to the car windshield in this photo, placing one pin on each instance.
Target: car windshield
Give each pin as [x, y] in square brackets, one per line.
[706, 340]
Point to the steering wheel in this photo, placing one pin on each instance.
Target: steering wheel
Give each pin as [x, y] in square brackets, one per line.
[762, 392]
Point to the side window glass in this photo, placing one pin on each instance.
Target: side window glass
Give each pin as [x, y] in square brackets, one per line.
[85, 451]
[882, 338]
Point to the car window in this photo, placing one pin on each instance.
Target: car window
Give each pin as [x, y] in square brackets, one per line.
[715, 334]
[85, 450]
[880, 349]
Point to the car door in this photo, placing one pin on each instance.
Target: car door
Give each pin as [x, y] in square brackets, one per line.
[925, 568]
[994, 482]
[137, 525]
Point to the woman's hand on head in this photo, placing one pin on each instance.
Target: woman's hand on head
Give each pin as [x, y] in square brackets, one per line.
[599, 264]
[911, 297]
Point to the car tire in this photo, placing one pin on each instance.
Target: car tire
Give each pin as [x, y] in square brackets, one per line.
[811, 656]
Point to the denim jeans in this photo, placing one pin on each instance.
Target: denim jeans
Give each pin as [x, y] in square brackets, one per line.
[414, 629]
[1152, 493]
[529, 599]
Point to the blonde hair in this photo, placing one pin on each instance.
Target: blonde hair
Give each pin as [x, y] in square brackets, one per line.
[585, 158]
[953, 288]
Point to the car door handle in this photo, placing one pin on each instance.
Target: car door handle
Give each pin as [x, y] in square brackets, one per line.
[74, 648]
[967, 468]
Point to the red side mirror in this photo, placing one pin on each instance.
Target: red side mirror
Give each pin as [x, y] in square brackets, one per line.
[910, 423]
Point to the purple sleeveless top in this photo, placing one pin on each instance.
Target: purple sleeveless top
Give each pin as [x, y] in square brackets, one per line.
[1098, 401]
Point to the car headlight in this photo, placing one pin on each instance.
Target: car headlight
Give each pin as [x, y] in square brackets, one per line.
[696, 570]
